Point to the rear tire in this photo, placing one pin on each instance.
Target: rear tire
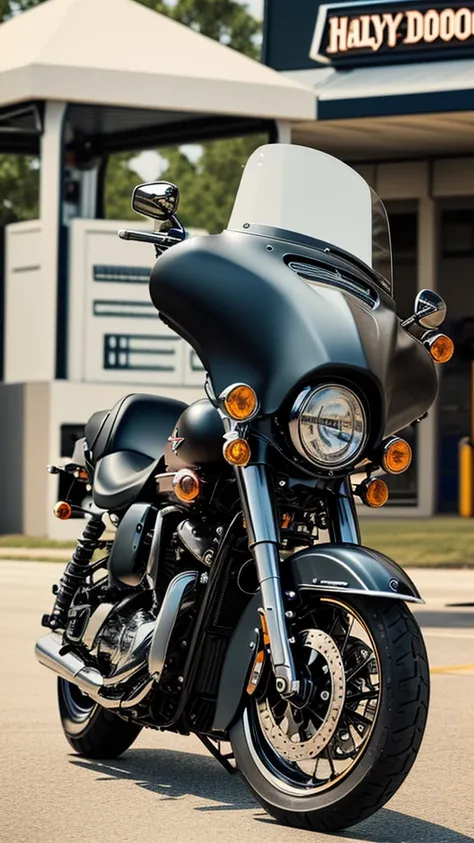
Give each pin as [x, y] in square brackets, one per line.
[92, 731]
[390, 749]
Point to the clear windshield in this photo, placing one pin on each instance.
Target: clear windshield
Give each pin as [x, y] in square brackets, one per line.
[299, 189]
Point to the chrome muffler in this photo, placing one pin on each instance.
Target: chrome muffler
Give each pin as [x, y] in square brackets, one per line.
[72, 668]
[150, 651]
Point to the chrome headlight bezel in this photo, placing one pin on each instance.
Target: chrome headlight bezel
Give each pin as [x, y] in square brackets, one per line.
[303, 399]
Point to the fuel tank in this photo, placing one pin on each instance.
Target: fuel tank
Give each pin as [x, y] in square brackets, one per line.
[197, 438]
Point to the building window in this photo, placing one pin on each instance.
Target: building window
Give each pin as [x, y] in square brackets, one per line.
[457, 234]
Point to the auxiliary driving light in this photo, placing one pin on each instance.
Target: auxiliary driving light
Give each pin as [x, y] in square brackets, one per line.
[440, 347]
[240, 402]
[63, 510]
[373, 492]
[396, 456]
[186, 485]
[237, 452]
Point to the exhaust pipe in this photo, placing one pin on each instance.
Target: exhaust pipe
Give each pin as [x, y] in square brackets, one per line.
[154, 642]
[71, 667]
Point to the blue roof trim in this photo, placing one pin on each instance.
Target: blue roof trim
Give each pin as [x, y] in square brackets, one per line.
[392, 105]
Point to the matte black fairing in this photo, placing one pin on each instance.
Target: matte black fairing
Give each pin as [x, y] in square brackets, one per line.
[251, 319]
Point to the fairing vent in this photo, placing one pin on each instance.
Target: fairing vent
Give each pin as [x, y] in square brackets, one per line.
[322, 273]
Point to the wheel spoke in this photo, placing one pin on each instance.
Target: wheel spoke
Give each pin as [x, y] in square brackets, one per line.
[355, 715]
[363, 695]
[293, 727]
[346, 639]
[360, 667]
[327, 754]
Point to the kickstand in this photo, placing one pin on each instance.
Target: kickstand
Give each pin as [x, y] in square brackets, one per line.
[214, 747]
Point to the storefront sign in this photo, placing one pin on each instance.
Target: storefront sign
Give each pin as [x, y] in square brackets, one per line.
[346, 33]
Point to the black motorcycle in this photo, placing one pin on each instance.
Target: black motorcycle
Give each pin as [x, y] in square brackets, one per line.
[234, 600]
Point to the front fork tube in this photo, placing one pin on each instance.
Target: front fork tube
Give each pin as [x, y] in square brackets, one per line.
[343, 520]
[262, 528]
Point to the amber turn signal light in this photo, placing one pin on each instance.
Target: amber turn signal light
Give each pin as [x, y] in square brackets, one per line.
[440, 346]
[240, 402]
[63, 510]
[396, 456]
[186, 485]
[373, 492]
[237, 452]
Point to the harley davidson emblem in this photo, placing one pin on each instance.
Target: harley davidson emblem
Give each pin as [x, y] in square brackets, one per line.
[176, 441]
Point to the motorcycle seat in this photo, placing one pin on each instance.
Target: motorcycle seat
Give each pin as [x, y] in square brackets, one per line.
[127, 444]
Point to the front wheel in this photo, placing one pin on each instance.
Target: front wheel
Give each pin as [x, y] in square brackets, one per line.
[337, 759]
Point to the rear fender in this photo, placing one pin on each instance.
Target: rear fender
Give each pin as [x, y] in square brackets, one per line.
[326, 569]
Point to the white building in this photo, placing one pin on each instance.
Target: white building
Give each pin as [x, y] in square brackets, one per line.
[80, 79]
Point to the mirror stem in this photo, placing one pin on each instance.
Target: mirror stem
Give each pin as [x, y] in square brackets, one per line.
[413, 320]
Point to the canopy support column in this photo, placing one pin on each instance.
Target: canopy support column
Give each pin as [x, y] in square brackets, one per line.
[51, 189]
[427, 433]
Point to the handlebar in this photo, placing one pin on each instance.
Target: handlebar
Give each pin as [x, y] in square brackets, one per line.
[162, 241]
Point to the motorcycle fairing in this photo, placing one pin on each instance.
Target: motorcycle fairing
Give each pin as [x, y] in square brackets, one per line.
[251, 319]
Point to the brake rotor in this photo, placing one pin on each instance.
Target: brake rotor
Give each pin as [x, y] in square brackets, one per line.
[285, 736]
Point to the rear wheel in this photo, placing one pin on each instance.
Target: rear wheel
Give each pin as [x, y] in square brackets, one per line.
[92, 731]
[338, 758]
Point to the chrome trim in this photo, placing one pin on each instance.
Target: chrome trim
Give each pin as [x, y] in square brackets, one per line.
[134, 658]
[345, 523]
[96, 622]
[164, 482]
[154, 555]
[72, 668]
[153, 638]
[294, 427]
[178, 590]
[263, 542]
[334, 590]
[190, 536]
[223, 395]
[257, 504]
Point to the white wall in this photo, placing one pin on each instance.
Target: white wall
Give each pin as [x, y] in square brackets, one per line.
[115, 335]
[30, 298]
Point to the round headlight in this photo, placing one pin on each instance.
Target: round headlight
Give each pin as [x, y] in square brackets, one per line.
[328, 426]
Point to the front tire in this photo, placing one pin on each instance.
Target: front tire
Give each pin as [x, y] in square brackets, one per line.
[358, 776]
[91, 730]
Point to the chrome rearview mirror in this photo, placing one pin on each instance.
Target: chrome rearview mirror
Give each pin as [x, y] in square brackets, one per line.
[158, 200]
[430, 311]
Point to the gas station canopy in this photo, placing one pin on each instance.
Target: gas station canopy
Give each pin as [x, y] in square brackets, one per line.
[120, 55]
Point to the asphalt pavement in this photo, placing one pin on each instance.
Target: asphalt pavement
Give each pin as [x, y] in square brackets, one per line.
[167, 789]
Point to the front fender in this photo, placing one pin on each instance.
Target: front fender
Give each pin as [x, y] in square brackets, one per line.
[325, 568]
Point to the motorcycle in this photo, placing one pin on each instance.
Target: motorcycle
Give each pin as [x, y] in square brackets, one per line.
[233, 599]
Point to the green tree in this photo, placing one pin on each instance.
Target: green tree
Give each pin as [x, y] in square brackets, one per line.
[226, 21]
[12, 7]
[119, 184]
[19, 188]
[207, 185]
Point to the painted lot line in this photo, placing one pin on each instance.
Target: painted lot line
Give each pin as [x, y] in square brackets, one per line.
[456, 669]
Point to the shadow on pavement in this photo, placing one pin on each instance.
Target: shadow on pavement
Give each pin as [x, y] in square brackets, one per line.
[176, 774]
[394, 827]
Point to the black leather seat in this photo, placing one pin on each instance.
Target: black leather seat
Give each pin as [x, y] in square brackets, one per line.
[127, 444]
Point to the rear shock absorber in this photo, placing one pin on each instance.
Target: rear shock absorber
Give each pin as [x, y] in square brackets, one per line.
[75, 573]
